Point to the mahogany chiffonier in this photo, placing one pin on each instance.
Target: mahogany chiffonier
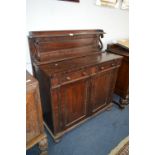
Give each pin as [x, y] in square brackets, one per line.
[122, 82]
[76, 77]
[34, 122]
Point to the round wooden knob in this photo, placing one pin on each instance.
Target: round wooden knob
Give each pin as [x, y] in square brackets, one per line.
[84, 73]
[102, 68]
[68, 78]
[71, 34]
[56, 64]
[113, 64]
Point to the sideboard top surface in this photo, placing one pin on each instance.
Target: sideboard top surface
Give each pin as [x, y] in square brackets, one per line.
[76, 63]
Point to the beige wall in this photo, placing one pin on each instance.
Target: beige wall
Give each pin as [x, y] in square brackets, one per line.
[61, 15]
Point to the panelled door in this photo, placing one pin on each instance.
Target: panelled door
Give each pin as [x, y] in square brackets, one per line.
[101, 89]
[74, 102]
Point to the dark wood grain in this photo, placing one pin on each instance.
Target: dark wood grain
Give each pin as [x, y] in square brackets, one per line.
[122, 83]
[76, 78]
[34, 121]
[58, 45]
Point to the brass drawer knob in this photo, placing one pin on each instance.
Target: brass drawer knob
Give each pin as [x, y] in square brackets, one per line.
[113, 64]
[102, 68]
[68, 78]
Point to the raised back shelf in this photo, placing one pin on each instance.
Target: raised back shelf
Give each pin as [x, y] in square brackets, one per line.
[51, 46]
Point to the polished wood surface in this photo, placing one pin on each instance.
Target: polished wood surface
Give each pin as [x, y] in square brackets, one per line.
[122, 83]
[80, 62]
[34, 122]
[50, 46]
[73, 87]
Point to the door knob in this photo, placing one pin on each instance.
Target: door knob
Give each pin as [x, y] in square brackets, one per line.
[68, 78]
[102, 68]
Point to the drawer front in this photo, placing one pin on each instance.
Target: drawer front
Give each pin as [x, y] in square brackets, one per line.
[67, 77]
[64, 78]
[55, 81]
[109, 65]
[93, 70]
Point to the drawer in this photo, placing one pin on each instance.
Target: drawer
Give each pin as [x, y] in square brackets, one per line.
[75, 75]
[55, 81]
[107, 65]
[83, 73]
[94, 70]
[110, 64]
[118, 62]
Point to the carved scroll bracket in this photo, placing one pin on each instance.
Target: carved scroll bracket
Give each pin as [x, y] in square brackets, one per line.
[100, 42]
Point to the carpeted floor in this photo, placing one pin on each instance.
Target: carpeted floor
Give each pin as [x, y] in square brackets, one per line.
[97, 136]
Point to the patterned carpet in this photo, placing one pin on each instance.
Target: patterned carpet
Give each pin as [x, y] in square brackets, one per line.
[122, 148]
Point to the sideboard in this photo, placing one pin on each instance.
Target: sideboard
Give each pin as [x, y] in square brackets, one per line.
[76, 77]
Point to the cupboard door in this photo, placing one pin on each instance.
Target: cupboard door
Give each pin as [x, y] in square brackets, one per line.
[101, 90]
[74, 98]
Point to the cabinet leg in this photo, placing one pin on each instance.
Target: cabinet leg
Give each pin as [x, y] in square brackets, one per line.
[43, 146]
[57, 140]
[119, 105]
[124, 102]
[109, 108]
